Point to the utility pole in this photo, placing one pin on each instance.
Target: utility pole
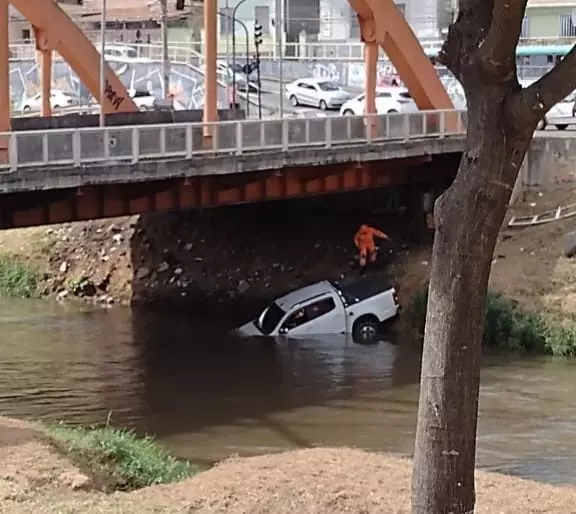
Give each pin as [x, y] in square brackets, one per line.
[257, 43]
[278, 25]
[165, 59]
[102, 63]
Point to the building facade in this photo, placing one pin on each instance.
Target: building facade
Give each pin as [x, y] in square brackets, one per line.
[550, 19]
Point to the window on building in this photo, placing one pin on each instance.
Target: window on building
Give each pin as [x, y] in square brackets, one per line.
[262, 14]
[567, 28]
[26, 35]
[525, 31]
[402, 9]
[226, 24]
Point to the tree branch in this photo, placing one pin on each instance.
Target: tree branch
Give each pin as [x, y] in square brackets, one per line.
[530, 104]
[465, 34]
[498, 50]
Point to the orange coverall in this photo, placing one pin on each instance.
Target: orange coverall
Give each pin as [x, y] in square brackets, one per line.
[364, 241]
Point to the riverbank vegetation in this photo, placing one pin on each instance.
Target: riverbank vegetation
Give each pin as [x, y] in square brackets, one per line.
[117, 459]
[509, 327]
[18, 278]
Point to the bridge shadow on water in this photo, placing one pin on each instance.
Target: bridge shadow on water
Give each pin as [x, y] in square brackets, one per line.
[198, 377]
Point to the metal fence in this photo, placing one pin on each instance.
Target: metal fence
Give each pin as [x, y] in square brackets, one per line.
[89, 145]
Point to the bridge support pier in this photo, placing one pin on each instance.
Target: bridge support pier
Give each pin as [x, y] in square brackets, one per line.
[46, 81]
[4, 71]
[4, 79]
[370, 67]
[44, 52]
[210, 56]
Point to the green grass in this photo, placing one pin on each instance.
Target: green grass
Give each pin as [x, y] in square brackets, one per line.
[117, 459]
[508, 327]
[18, 278]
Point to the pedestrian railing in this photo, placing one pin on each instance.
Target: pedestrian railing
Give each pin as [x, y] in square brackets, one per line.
[132, 144]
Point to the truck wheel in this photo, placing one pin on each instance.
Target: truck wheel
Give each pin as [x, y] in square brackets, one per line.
[365, 330]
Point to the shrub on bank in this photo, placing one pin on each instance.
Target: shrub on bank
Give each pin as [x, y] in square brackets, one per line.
[18, 279]
[508, 327]
[117, 459]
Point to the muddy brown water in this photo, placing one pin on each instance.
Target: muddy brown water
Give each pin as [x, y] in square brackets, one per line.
[207, 395]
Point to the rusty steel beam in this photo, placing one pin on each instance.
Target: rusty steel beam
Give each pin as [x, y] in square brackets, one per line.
[92, 202]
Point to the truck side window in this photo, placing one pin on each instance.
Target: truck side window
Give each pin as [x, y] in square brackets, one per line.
[310, 312]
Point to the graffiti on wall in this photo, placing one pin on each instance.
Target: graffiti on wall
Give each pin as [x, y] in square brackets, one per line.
[186, 82]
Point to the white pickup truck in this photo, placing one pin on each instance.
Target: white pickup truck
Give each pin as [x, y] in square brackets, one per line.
[358, 307]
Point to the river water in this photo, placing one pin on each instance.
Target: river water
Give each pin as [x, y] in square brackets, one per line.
[207, 395]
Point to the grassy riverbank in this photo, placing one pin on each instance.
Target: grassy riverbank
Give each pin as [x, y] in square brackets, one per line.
[18, 278]
[37, 478]
[509, 327]
[116, 459]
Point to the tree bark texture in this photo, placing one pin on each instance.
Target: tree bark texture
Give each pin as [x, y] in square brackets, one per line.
[480, 51]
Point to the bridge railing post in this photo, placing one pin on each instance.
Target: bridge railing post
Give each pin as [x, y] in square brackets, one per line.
[369, 127]
[106, 138]
[406, 127]
[13, 149]
[328, 131]
[189, 141]
[349, 128]
[76, 148]
[215, 137]
[163, 140]
[285, 138]
[135, 145]
[262, 133]
[239, 137]
[442, 127]
[45, 155]
[387, 127]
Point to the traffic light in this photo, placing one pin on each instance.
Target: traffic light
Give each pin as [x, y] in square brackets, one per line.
[257, 34]
[179, 5]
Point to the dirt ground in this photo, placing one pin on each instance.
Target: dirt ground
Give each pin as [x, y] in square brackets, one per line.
[35, 480]
[528, 264]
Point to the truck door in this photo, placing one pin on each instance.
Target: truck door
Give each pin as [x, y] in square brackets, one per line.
[324, 316]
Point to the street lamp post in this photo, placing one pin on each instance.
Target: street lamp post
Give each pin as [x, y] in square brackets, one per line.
[234, 10]
[102, 63]
[279, 35]
[165, 59]
[245, 28]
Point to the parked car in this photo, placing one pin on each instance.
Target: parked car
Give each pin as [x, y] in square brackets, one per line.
[562, 114]
[58, 99]
[388, 100]
[321, 93]
[143, 99]
[358, 307]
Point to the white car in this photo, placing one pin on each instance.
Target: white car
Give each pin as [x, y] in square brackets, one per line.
[143, 99]
[58, 99]
[388, 100]
[562, 114]
[358, 308]
[321, 93]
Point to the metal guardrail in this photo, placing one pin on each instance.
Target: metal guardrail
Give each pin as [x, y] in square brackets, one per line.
[90, 145]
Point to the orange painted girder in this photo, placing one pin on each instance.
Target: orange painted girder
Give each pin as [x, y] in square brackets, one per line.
[66, 38]
[382, 22]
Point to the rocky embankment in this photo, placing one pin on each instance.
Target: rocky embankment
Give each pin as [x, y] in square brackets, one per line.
[206, 259]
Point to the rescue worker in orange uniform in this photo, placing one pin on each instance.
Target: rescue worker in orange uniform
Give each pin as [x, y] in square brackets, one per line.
[364, 241]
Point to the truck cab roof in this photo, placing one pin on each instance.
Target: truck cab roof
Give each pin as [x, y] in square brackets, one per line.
[304, 294]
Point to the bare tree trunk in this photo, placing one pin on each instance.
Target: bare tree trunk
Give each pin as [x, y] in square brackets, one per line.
[468, 218]
[480, 51]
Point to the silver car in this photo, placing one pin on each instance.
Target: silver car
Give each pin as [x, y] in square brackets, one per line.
[321, 93]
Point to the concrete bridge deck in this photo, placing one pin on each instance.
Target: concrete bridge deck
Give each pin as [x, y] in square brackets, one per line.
[71, 174]
[52, 159]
